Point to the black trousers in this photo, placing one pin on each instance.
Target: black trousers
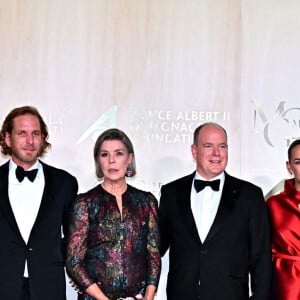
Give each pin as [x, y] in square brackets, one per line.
[25, 289]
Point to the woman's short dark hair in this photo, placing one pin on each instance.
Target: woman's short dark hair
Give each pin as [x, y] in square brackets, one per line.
[8, 124]
[110, 135]
[291, 147]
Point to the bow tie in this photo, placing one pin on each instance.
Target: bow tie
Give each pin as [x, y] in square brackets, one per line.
[21, 173]
[201, 184]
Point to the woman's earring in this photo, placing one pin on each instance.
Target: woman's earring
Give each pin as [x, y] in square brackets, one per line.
[129, 170]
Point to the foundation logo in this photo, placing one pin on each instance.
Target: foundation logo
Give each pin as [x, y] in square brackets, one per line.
[161, 126]
[105, 121]
[283, 125]
[170, 126]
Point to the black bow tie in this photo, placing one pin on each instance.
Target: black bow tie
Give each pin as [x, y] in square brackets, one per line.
[21, 173]
[201, 184]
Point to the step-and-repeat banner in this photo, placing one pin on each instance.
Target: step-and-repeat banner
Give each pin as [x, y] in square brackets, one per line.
[157, 69]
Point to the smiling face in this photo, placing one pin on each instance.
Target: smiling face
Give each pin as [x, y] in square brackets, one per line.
[25, 140]
[293, 165]
[113, 160]
[210, 151]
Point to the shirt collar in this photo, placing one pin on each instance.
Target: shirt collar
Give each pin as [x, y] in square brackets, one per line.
[220, 176]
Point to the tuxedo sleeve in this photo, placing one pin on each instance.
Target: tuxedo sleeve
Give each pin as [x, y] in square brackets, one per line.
[70, 185]
[260, 251]
[163, 220]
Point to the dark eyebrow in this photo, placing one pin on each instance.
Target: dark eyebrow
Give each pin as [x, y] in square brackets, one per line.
[114, 150]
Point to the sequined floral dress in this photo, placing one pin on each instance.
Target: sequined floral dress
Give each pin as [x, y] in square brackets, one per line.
[284, 210]
[121, 255]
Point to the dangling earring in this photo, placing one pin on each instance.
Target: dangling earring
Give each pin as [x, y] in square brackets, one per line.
[129, 170]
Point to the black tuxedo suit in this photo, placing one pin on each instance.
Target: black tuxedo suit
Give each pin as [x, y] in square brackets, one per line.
[236, 245]
[45, 248]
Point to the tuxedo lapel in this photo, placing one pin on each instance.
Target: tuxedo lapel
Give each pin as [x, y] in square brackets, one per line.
[46, 200]
[184, 199]
[228, 199]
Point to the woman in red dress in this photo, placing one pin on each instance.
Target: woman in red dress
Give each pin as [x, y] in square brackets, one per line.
[284, 210]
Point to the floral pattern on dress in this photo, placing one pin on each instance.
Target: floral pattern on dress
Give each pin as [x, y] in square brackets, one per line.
[119, 253]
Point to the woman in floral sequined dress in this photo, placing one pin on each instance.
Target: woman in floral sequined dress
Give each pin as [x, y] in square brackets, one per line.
[113, 245]
[284, 210]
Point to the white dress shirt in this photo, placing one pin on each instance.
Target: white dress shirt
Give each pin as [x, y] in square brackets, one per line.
[205, 205]
[25, 199]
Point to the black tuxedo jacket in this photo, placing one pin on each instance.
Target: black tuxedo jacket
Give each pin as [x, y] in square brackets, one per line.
[45, 248]
[236, 246]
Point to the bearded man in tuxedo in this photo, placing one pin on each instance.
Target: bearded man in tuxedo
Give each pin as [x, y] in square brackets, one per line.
[35, 199]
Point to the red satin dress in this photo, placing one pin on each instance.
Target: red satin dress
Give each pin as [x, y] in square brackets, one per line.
[284, 210]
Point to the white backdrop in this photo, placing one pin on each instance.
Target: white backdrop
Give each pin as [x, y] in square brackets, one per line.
[156, 69]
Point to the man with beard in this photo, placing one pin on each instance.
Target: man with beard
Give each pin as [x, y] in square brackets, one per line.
[34, 211]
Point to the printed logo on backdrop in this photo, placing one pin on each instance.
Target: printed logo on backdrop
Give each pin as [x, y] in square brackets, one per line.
[280, 125]
[162, 126]
[170, 126]
[54, 124]
[107, 120]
